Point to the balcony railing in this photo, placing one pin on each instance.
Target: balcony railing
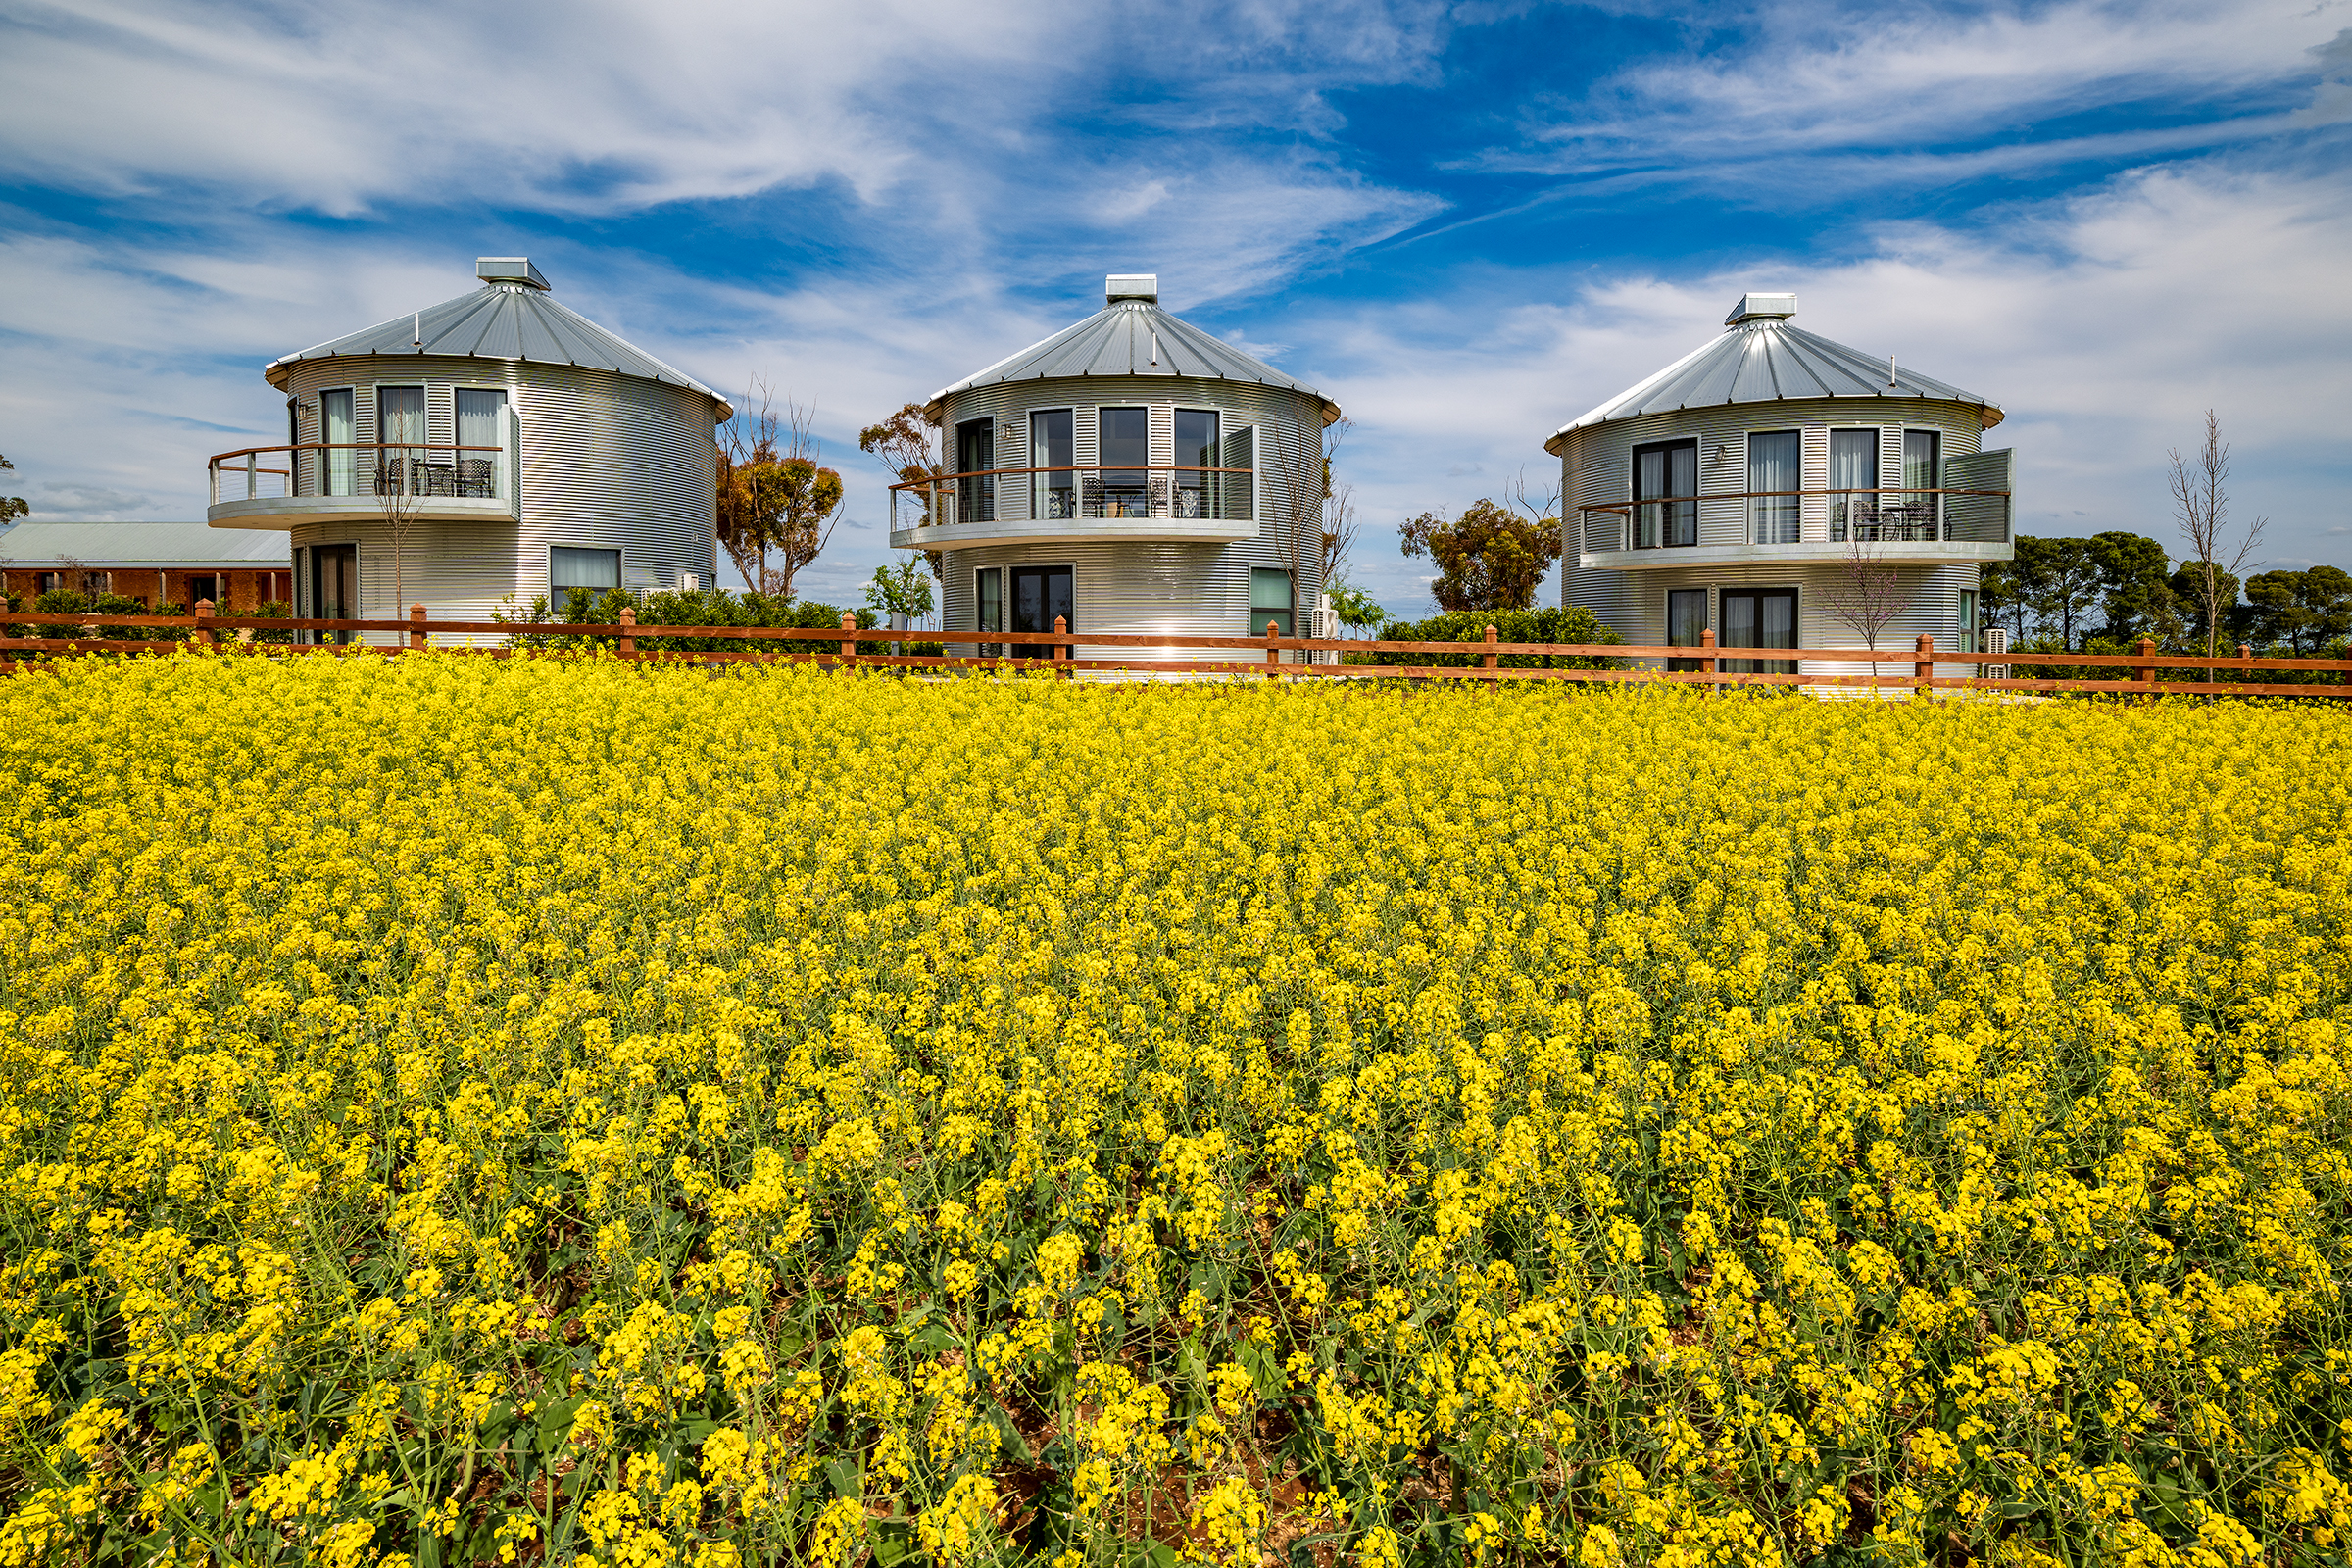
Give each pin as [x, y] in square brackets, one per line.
[358, 468]
[1881, 516]
[1052, 493]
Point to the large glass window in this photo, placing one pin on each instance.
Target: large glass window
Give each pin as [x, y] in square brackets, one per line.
[988, 605]
[400, 434]
[1236, 489]
[1196, 452]
[975, 455]
[481, 424]
[1269, 600]
[1775, 473]
[1686, 623]
[1125, 455]
[1853, 467]
[1052, 448]
[1669, 469]
[591, 571]
[1923, 474]
[1759, 618]
[338, 465]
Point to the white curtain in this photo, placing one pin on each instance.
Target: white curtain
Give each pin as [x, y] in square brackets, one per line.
[1775, 463]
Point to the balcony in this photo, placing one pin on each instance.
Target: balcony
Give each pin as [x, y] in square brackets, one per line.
[1163, 503]
[1794, 525]
[324, 481]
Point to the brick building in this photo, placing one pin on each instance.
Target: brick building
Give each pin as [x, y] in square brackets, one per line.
[154, 562]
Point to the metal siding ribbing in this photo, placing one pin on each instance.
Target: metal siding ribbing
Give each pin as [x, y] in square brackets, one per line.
[1596, 468]
[1150, 587]
[1632, 604]
[609, 461]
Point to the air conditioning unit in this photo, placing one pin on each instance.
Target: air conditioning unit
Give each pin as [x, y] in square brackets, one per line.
[1995, 640]
[1323, 625]
[690, 582]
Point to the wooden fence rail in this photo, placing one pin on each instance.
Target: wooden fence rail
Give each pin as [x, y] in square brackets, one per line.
[1915, 669]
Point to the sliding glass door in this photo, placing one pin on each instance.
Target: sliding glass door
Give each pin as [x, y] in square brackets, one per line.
[1759, 618]
[482, 422]
[400, 434]
[1854, 467]
[1040, 595]
[337, 467]
[1774, 475]
[331, 589]
[1667, 470]
[1125, 454]
[975, 456]
[1052, 448]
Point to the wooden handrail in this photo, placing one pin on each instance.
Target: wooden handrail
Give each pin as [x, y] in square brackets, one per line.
[350, 446]
[1483, 657]
[1064, 468]
[1769, 495]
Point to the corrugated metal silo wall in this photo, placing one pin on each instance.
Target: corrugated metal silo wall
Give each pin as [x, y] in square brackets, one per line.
[1147, 588]
[1596, 468]
[608, 462]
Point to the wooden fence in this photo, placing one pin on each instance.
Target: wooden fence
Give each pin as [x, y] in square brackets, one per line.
[1916, 668]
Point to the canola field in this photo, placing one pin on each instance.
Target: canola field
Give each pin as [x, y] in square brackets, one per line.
[539, 1111]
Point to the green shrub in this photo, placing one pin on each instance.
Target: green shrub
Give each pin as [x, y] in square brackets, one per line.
[1552, 624]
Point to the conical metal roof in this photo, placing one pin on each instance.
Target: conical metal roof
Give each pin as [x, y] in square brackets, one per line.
[1761, 358]
[1130, 336]
[506, 319]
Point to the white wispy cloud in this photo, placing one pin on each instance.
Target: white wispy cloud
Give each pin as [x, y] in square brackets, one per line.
[2104, 323]
[1811, 98]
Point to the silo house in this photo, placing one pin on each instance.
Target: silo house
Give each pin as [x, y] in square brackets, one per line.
[1780, 490]
[1129, 474]
[500, 444]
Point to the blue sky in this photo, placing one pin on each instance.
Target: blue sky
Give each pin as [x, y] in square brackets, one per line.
[1467, 224]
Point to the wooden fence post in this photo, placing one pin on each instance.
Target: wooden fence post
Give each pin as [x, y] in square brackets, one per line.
[204, 622]
[1493, 660]
[848, 647]
[1273, 653]
[1923, 667]
[628, 635]
[2147, 670]
[1063, 652]
[1706, 665]
[416, 628]
[2246, 656]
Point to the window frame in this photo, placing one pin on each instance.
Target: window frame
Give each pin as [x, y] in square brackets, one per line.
[1042, 485]
[980, 574]
[1967, 620]
[619, 570]
[1839, 506]
[1289, 616]
[1796, 628]
[1793, 501]
[978, 495]
[1071, 631]
[1935, 502]
[326, 474]
[306, 588]
[1706, 620]
[505, 393]
[1103, 466]
[1201, 482]
[1632, 479]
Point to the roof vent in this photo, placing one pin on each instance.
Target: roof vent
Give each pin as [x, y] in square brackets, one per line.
[1131, 286]
[1761, 307]
[508, 270]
